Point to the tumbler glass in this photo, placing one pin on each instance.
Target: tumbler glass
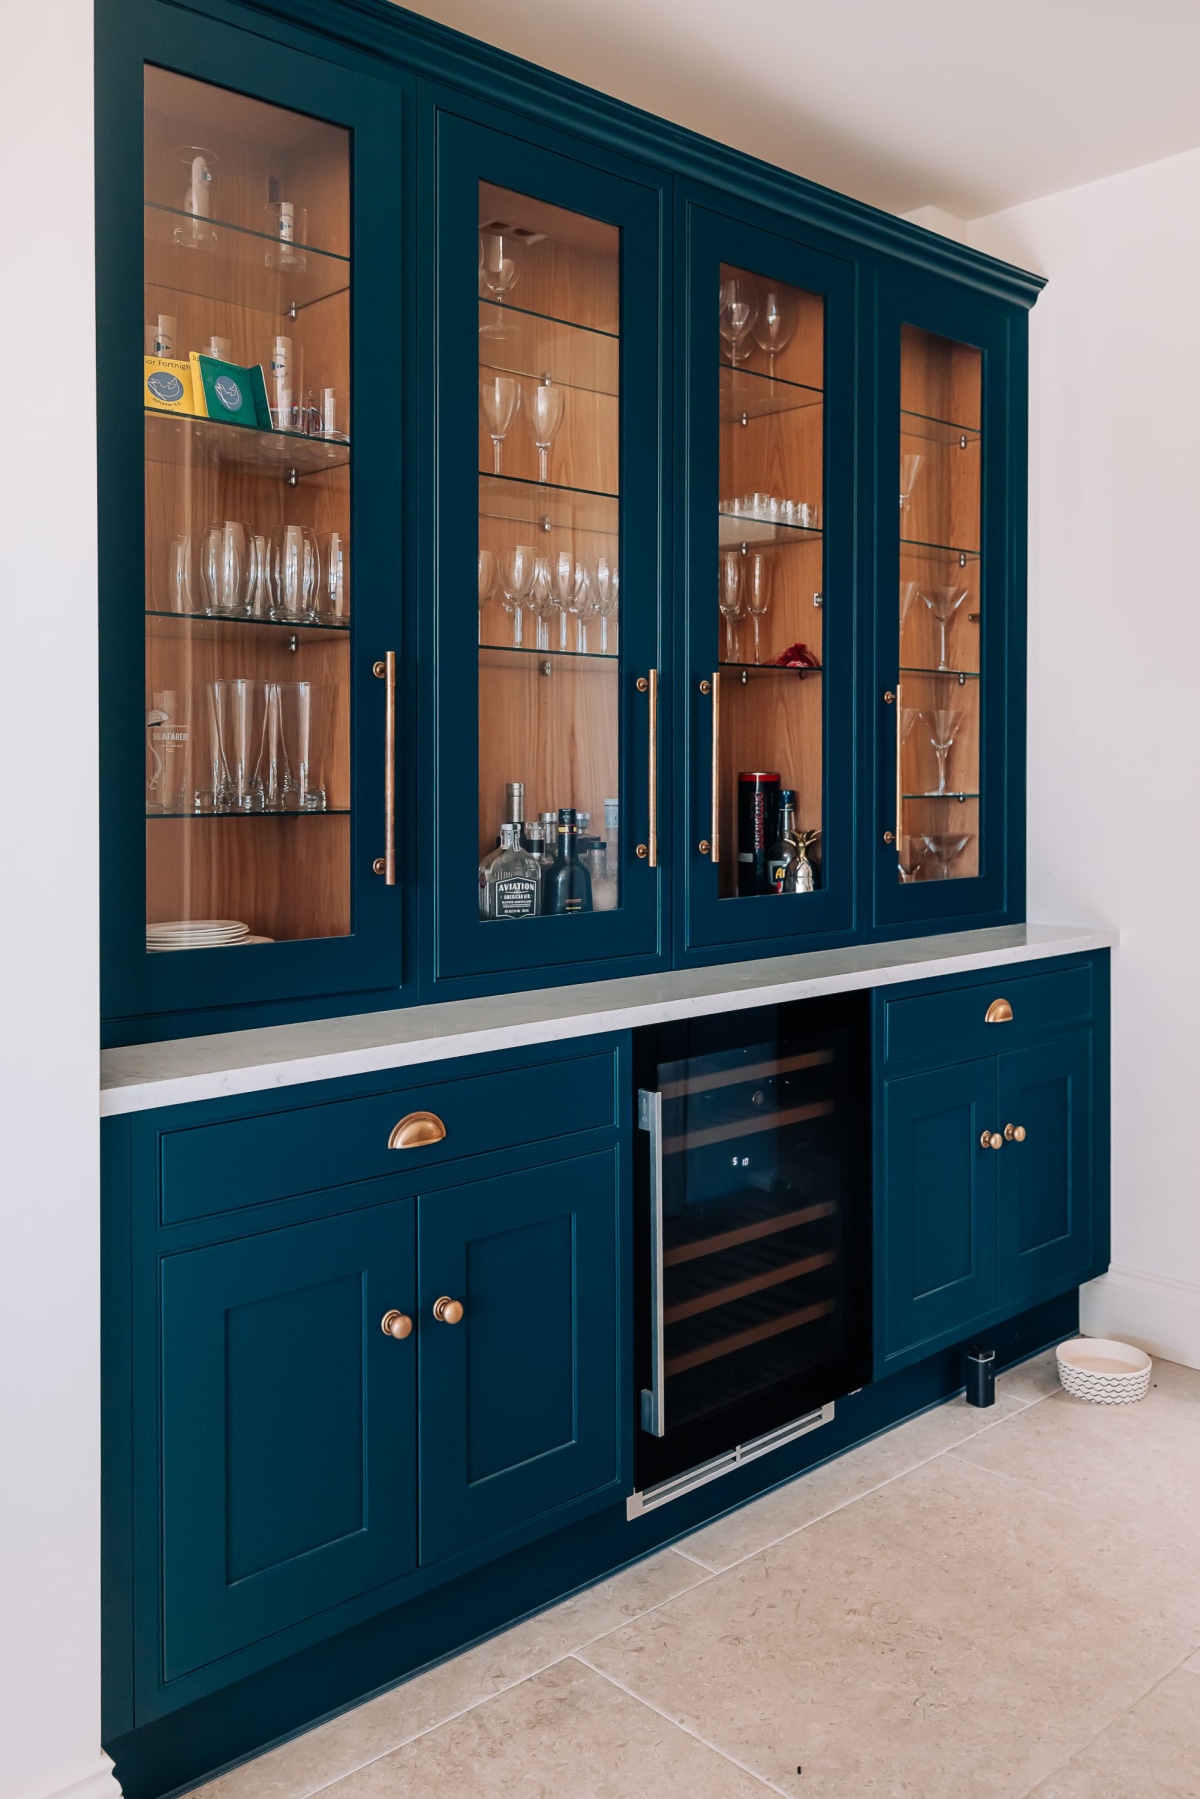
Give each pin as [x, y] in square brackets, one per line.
[333, 571]
[297, 569]
[225, 566]
[168, 738]
[272, 761]
[238, 718]
[304, 746]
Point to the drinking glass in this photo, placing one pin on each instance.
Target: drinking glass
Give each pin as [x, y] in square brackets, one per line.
[297, 570]
[545, 407]
[607, 584]
[499, 267]
[739, 309]
[487, 584]
[517, 567]
[225, 567]
[564, 592]
[908, 593]
[758, 593]
[287, 226]
[260, 595]
[303, 747]
[541, 600]
[910, 853]
[168, 737]
[910, 468]
[333, 570]
[237, 709]
[500, 396]
[181, 576]
[194, 232]
[944, 724]
[582, 606]
[944, 846]
[943, 602]
[775, 325]
[730, 598]
[272, 761]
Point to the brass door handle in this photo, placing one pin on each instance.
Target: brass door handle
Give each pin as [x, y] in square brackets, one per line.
[991, 1140]
[396, 1324]
[999, 1012]
[447, 1310]
[715, 839]
[648, 852]
[385, 865]
[1014, 1133]
[416, 1129]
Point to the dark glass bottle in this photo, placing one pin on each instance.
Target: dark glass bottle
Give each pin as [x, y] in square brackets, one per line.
[757, 828]
[568, 883]
[786, 848]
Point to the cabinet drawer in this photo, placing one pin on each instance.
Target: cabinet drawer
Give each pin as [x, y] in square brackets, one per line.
[215, 1168]
[954, 1022]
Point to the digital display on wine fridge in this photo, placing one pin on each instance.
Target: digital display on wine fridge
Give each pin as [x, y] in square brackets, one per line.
[753, 1225]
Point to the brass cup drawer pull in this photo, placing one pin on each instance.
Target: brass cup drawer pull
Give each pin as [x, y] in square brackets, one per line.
[1014, 1133]
[447, 1310]
[396, 1324]
[999, 1012]
[415, 1130]
[991, 1140]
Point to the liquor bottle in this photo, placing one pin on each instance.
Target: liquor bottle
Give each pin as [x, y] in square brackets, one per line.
[593, 853]
[533, 840]
[549, 821]
[612, 837]
[568, 885]
[786, 848]
[512, 879]
[757, 823]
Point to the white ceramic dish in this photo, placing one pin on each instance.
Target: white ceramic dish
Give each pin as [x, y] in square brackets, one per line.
[1106, 1372]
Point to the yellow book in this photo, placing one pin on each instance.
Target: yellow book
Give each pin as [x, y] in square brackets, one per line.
[167, 385]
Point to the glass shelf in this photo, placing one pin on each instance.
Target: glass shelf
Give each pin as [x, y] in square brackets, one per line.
[548, 318]
[544, 507]
[297, 628]
[949, 794]
[735, 528]
[747, 394]
[937, 552]
[179, 439]
[525, 650]
[512, 342]
[939, 431]
[326, 812]
[946, 674]
[235, 265]
[766, 668]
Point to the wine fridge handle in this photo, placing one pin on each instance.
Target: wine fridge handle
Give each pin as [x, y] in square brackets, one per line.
[715, 838]
[650, 1120]
[385, 865]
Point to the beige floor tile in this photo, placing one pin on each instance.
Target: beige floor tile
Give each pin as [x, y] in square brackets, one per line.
[1192, 1663]
[939, 1639]
[564, 1734]
[1152, 1752]
[1032, 1380]
[810, 1496]
[332, 1750]
[1138, 1464]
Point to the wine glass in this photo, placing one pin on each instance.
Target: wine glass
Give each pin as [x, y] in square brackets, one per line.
[541, 600]
[545, 407]
[607, 583]
[581, 606]
[775, 324]
[910, 468]
[944, 846]
[943, 602]
[910, 854]
[758, 593]
[500, 395]
[517, 566]
[730, 598]
[487, 583]
[944, 723]
[499, 271]
[739, 309]
[563, 592]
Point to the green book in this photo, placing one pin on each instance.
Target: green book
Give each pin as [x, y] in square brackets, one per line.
[227, 391]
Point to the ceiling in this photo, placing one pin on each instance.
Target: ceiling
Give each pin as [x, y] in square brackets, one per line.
[967, 105]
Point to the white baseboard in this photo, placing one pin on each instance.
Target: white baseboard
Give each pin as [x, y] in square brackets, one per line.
[1160, 1315]
[96, 1782]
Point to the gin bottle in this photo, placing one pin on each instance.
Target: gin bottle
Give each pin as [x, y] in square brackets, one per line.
[786, 849]
[512, 879]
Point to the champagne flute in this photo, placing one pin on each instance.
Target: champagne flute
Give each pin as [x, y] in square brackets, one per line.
[775, 325]
[758, 593]
[739, 309]
[730, 597]
[545, 407]
[606, 598]
[487, 583]
[563, 592]
[517, 567]
[501, 396]
[581, 607]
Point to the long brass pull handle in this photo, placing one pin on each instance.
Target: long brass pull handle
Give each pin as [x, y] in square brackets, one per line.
[899, 767]
[385, 865]
[653, 1412]
[396, 1324]
[447, 1310]
[416, 1129]
[652, 846]
[716, 767]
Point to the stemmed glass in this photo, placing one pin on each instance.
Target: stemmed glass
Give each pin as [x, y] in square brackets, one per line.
[607, 584]
[776, 324]
[499, 271]
[945, 846]
[581, 606]
[910, 854]
[730, 598]
[758, 593]
[487, 583]
[500, 395]
[908, 593]
[910, 468]
[541, 601]
[517, 568]
[545, 406]
[945, 723]
[739, 309]
[563, 592]
[943, 602]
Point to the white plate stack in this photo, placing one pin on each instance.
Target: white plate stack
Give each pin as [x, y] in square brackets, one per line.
[195, 933]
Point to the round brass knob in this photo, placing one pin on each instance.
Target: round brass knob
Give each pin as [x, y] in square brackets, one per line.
[447, 1310]
[643, 686]
[704, 846]
[379, 865]
[889, 698]
[991, 1140]
[889, 836]
[396, 1324]
[1015, 1133]
[706, 687]
[642, 852]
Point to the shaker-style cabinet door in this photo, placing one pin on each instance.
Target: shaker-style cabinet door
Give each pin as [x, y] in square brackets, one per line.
[1045, 1204]
[519, 1351]
[550, 715]
[945, 840]
[765, 486]
[936, 1237]
[288, 1428]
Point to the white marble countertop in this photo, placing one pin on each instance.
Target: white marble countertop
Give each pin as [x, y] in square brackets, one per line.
[215, 1067]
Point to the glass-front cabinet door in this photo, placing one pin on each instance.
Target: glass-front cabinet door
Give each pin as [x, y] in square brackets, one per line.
[262, 816]
[769, 600]
[943, 633]
[547, 837]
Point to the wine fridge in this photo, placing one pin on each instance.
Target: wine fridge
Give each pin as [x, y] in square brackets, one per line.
[753, 1232]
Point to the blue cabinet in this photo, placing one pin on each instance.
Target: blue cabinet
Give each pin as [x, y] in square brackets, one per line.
[1045, 1171]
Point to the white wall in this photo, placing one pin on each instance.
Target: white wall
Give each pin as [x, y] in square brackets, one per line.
[1114, 682]
[49, 1287]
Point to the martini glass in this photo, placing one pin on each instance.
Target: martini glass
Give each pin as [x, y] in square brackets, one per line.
[517, 568]
[944, 846]
[739, 309]
[910, 468]
[487, 583]
[758, 594]
[943, 602]
[944, 725]
[775, 325]
[500, 396]
[910, 853]
[545, 406]
[730, 600]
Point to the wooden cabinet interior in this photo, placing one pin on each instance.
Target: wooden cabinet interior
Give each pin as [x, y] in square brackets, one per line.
[278, 862]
